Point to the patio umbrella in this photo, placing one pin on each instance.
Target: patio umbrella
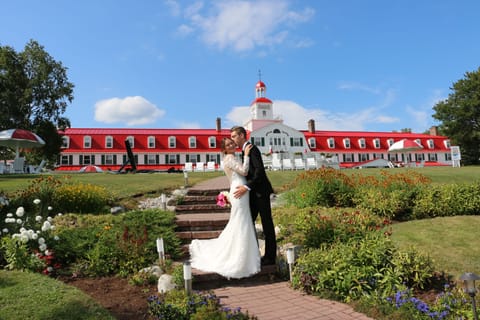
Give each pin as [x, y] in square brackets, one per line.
[20, 138]
[90, 169]
[405, 146]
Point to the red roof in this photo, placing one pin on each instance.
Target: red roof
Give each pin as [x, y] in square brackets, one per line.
[261, 100]
[260, 84]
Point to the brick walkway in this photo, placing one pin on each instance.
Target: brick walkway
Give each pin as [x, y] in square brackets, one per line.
[276, 300]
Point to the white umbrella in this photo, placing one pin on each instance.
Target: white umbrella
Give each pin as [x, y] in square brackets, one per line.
[405, 146]
[20, 138]
[90, 169]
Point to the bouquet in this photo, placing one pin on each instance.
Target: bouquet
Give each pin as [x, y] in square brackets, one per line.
[222, 199]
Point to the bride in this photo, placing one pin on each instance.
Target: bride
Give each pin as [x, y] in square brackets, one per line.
[234, 254]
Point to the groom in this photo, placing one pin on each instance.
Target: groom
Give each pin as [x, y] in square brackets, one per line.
[260, 190]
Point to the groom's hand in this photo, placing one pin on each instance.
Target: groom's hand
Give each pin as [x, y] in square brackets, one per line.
[239, 192]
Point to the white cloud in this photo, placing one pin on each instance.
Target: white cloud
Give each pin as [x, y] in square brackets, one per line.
[245, 25]
[297, 117]
[129, 110]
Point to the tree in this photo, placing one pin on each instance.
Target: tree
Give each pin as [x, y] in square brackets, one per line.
[460, 116]
[34, 94]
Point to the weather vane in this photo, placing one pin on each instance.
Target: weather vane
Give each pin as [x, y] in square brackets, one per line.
[259, 75]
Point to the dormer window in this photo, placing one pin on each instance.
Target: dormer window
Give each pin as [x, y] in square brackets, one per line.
[172, 142]
[331, 143]
[346, 143]
[151, 142]
[446, 143]
[87, 142]
[361, 143]
[390, 142]
[192, 142]
[131, 140]
[376, 143]
[108, 142]
[65, 142]
[430, 144]
[418, 141]
[212, 142]
[312, 143]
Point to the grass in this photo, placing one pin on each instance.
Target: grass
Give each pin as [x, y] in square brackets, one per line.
[451, 242]
[25, 295]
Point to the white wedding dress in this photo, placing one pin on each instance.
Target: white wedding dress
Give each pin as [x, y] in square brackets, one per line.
[235, 253]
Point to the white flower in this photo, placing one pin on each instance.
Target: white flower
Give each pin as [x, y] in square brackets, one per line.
[20, 212]
[50, 208]
[41, 241]
[37, 201]
[38, 218]
[34, 236]
[46, 226]
[9, 215]
[19, 221]
[56, 238]
[5, 230]
[42, 247]
[52, 228]
[22, 229]
[24, 238]
[49, 269]
[50, 219]
[60, 214]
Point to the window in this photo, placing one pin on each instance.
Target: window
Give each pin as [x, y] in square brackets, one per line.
[151, 159]
[193, 158]
[151, 142]
[331, 143]
[432, 157]
[296, 142]
[65, 142]
[348, 157]
[258, 141]
[448, 157]
[361, 143]
[192, 142]
[87, 159]
[430, 144]
[346, 143]
[66, 160]
[392, 157]
[446, 143]
[364, 157]
[172, 159]
[108, 142]
[378, 156]
[109, 159]
[213, 157]
[312, 142]
[131, 139]
[212, 142]
[390, 142]
[376, 143]
[419, 156]
[418, 141]
[172, 142]
[87, 142]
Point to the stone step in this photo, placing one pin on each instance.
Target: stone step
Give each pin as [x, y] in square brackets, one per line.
[192, 199]
[203, 192]
[200, 208]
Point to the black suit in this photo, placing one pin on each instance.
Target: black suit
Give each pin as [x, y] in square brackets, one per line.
[260, 191]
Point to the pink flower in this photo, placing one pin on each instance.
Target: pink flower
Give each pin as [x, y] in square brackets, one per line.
[222, 199]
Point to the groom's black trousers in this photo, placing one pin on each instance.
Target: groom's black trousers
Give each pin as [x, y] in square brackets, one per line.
[261, 204]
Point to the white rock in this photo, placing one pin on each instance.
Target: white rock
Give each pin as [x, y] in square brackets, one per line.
[165, 283]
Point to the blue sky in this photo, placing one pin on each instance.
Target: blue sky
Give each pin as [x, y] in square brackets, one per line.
[370, 65]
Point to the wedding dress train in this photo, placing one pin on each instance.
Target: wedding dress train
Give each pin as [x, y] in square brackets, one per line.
[235, 253]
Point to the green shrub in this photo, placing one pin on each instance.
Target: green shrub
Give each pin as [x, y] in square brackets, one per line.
[123, 244]
[447, 200]
[313, 227]
[81, 198]
[324, 187]
[346, 271]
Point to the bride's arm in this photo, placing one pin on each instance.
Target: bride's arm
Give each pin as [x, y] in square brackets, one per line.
[236, 166]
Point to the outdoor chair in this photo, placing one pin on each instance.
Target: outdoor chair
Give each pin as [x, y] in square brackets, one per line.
[287, 164]
[188, 167]
[311, 163]
[199, 167]
[299, 164]
[210, 166]
[19, 165]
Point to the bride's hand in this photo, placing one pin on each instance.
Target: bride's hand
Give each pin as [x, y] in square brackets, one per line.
[247, 149]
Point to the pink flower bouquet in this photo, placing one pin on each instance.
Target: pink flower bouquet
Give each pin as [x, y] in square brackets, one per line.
[222, 199]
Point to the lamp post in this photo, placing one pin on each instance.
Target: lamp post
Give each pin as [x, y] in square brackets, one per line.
[160, 250]
[290, 260]
[185, 176]
[163, 200]
[187, 276]
[469, 288]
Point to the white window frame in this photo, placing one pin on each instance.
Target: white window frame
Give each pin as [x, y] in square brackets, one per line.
[346, 143]
[192, 142]
[151, 142]
[65, 142]
[362, 143]
[131, 139]
[108, 142]
[376, 143]
[212, 142]
[87, 142]
[312, 142]
[331, 143]
[172, 142]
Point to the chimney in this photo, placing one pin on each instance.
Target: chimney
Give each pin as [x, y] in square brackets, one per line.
[434, 131]
[219, 124]
[311, 126]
